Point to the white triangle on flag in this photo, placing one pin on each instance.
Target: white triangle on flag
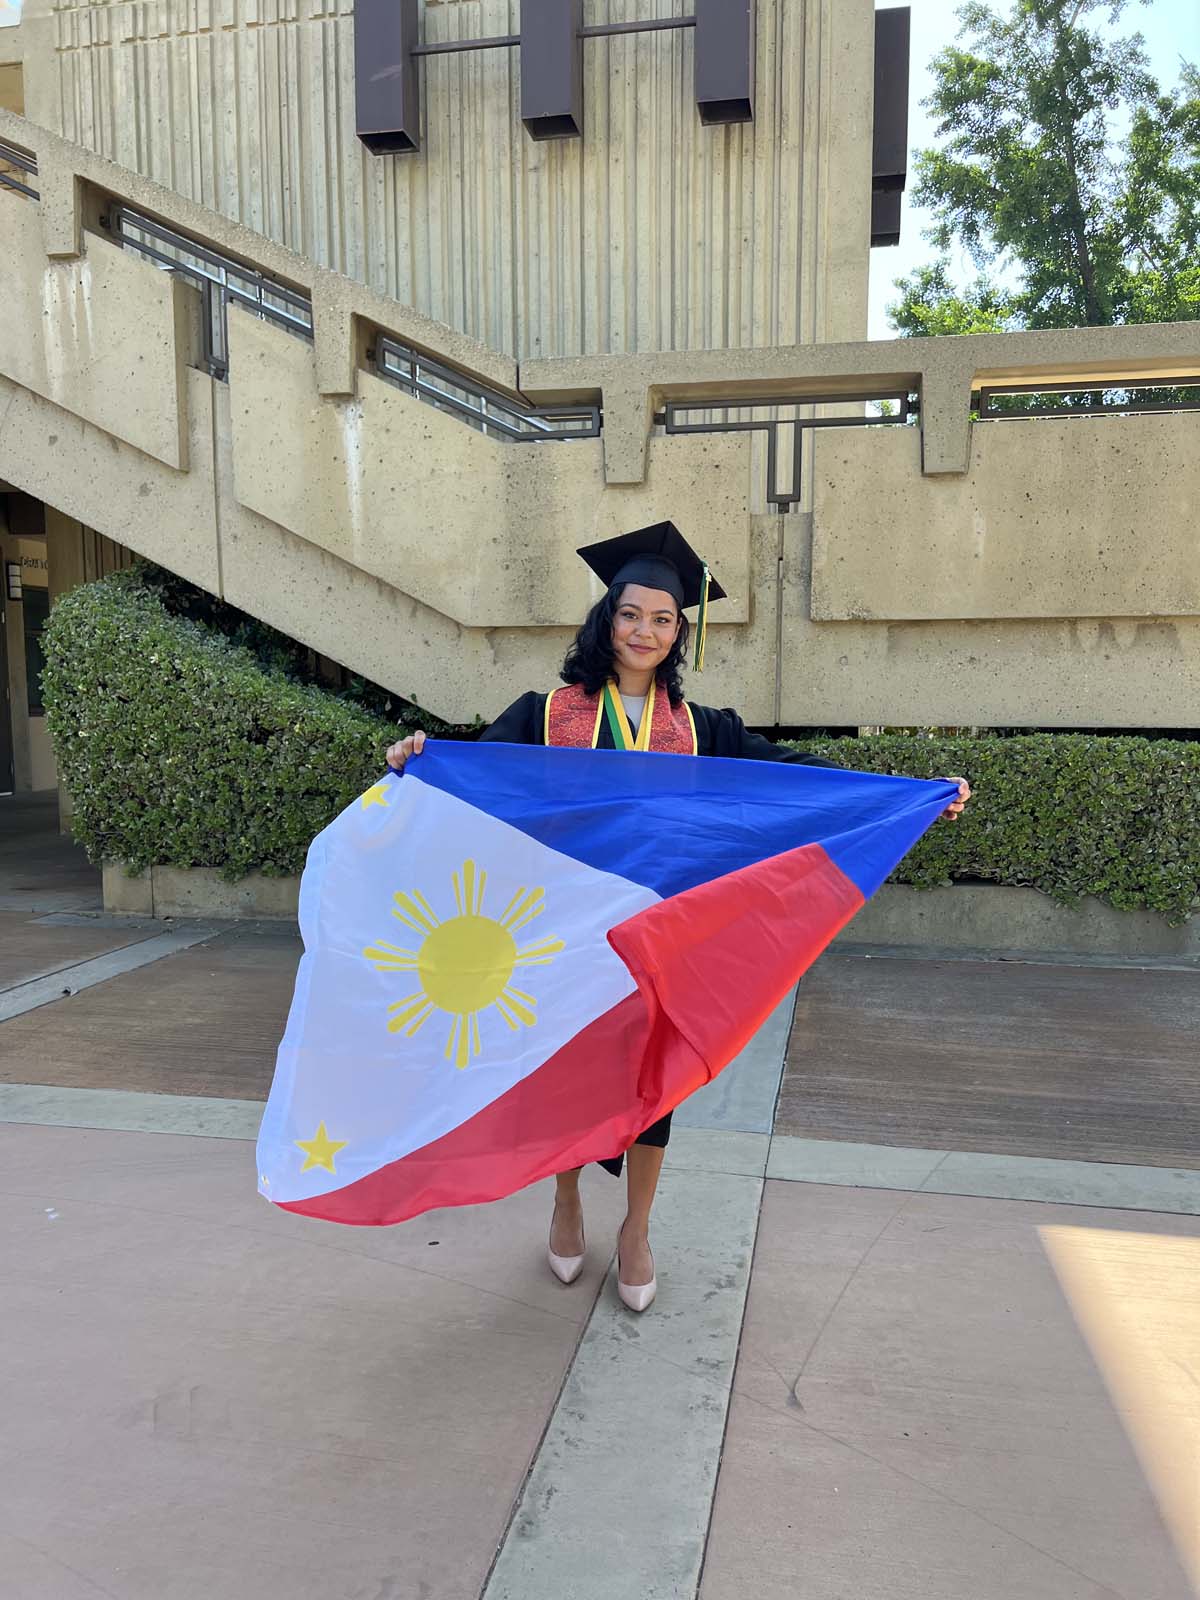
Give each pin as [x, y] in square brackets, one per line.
[447, 956]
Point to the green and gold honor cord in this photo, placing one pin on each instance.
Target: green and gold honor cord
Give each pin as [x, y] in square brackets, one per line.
[618, 722]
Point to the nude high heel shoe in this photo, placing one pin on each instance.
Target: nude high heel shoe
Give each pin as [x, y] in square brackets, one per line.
[637, 1296]
[565, 1268]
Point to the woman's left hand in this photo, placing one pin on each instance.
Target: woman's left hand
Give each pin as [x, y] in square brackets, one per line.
[956, 807]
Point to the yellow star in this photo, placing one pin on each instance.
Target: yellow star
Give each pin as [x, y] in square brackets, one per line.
[320, 1150]
[376, 795]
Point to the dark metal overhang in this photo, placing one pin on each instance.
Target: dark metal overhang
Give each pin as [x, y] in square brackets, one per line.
[388, 48]
[889, 153]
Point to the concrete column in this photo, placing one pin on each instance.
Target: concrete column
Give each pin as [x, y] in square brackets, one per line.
[31, 44]
[60, 210]
[334, 351]
[628, 412]
[946, 417]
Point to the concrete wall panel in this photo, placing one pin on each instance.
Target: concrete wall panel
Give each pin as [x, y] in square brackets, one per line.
[354, 478]
[1098, 672]
[1057, 518]
[482, 530]
[81, 470]
[1118, 673]
[97, 335]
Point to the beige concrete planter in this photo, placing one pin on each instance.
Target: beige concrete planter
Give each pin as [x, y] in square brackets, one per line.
[199, 892]
[993, 919]
[977, 917]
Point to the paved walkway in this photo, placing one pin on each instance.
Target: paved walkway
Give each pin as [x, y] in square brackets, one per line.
[1028, 1059]
[904, 1365]
[39, 868]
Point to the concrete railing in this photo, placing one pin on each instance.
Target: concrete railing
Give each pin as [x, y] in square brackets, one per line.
[73, 182]
[418, 551]
[944, 372]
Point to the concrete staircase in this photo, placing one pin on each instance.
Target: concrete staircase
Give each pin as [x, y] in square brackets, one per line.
[407, 502]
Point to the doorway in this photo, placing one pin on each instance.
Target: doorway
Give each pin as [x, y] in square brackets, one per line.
[24, 572]
[7, 774]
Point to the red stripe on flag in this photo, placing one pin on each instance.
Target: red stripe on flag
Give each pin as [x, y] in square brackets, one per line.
[575, 1107]
[711, 965]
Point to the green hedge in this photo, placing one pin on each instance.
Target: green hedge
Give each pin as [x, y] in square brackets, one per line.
[1071, 814]
[180, 747]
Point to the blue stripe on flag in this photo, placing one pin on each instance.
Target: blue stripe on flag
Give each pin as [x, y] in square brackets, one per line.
[671, 822]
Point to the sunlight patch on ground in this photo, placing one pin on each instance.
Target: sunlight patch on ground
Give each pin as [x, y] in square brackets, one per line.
[1136, 1298]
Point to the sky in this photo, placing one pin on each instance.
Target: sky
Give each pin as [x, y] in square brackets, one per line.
[1171, 29]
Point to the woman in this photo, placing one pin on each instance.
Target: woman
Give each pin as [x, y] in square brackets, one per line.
[624, 692]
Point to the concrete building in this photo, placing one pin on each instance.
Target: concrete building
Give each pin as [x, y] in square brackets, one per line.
[407, 353]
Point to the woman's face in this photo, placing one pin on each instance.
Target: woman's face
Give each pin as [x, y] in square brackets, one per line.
[645, 626]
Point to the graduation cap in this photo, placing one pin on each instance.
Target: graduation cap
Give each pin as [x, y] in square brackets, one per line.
[658, 557]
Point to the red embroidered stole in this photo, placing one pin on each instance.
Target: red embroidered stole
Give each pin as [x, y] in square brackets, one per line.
[574, 717]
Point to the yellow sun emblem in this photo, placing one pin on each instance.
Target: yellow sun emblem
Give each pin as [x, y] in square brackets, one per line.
[465, 964]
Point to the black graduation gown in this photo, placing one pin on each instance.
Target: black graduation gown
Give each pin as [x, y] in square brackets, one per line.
[718, 733]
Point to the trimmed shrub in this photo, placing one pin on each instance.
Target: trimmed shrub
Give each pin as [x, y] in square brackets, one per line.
[1071, 814]
[182, 748]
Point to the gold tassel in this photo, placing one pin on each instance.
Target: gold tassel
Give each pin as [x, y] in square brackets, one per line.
[701, 626]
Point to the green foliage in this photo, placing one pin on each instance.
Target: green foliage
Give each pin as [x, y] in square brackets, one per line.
[1029, 173]
[180, 748]
[1069, 814]
[931, 305]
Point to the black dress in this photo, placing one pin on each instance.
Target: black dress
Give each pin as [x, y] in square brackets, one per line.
[718, 733]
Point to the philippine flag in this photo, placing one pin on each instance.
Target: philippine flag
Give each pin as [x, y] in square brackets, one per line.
[516, 958]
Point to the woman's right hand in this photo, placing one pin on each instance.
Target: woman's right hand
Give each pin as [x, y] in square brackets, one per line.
[399, 753]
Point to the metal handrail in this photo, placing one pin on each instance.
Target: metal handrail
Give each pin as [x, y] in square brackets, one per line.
[220, 279]
[983, 397]
[907, 410]
[476, 404]
[223, 279]
[13, 155]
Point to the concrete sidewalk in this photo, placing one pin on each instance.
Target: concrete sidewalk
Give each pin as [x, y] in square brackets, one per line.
[854, 1383]
[42, 870]
[940, 1397]
[207, 1397]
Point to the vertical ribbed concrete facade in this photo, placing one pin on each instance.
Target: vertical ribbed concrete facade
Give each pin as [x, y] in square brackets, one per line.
[651, 232]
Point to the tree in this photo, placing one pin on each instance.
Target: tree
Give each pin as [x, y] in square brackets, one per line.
[932, 305]
[1029, 176]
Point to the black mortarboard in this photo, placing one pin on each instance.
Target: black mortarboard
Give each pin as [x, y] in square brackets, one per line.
[658, 557]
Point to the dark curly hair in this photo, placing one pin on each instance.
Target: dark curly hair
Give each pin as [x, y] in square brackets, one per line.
[590, 659]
